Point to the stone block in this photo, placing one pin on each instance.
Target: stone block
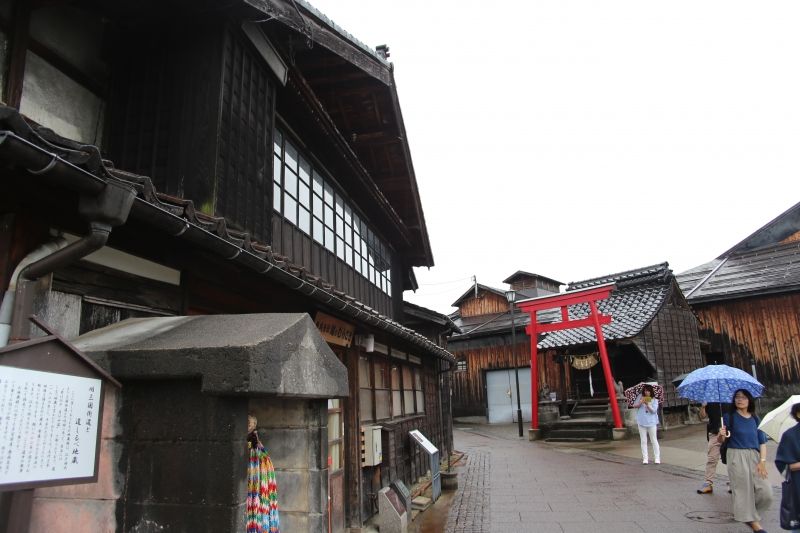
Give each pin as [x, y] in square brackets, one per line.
[294, 448]
[154, 518]
[110, 480]
[187, 473]
[68, 516]
[392, 515]
[294, 490]
[112, 425]
[289, 413]
[177, 410]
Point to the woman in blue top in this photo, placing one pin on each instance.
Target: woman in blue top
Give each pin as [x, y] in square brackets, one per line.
[647, 419]
[747, 461]
[788, 455]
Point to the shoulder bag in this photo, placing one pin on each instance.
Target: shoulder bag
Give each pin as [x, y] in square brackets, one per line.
[790, 512]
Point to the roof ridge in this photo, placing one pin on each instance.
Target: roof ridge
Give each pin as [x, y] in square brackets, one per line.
[620, 276]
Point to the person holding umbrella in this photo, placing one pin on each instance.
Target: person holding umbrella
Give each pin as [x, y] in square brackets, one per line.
[747, 461]
[647, 419]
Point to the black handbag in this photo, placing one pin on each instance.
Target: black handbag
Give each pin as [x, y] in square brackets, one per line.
[723, 452]
[790, 512]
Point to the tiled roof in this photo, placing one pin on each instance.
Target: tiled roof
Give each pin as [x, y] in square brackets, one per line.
[67, 163]
[639, 296]
[766, 270]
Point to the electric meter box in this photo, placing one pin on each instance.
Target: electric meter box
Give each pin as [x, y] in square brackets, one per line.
[371, 449]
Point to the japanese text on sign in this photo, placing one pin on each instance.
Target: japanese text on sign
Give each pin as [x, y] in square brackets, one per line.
[48, 425]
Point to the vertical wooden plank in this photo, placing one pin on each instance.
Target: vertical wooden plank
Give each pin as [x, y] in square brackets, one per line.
[20, 27]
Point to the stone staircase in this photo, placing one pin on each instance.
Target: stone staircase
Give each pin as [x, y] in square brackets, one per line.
[587, 423]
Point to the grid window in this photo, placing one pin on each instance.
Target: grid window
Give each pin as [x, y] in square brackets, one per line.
[306, 199]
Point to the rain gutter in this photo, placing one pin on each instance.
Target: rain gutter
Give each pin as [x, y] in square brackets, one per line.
[105, 204]
[29, 155]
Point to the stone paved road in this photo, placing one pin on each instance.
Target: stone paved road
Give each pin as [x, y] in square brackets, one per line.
[511, 485]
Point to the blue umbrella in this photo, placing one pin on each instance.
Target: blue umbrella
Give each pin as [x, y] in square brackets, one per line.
[717, 383]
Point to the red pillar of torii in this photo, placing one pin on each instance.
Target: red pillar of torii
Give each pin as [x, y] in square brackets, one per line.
[594, 319]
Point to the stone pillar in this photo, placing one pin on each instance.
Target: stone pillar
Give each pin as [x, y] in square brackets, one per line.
[184, 458]
[295, 433]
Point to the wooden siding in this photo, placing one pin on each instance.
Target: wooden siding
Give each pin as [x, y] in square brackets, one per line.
[301, 249]
[469, 387]
[766, 329]
[487, 303]
[164, 108]
[244, 151]
[671, 344]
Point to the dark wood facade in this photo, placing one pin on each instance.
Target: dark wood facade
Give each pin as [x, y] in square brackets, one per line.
[763, 331]
[193, 117]
[747, 303]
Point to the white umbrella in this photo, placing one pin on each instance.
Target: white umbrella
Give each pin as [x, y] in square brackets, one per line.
[779, 420]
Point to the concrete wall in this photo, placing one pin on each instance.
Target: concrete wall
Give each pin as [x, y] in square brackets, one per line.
[295, 433]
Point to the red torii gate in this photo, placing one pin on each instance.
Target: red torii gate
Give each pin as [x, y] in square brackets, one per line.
[595, 318]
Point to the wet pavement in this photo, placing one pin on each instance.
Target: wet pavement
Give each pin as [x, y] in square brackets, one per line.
[509, 484]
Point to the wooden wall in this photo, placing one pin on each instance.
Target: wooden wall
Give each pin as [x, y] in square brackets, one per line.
[671, 343]
[469, 387]
[487, 303]
[765, 328]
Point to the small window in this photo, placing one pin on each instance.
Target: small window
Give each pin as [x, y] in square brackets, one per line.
[461, 365]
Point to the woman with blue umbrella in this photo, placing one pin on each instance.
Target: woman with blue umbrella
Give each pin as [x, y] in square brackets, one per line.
[747, 450]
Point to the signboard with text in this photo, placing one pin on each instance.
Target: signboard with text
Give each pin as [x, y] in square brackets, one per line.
[49, 425]
[335, 331]
[51, 413]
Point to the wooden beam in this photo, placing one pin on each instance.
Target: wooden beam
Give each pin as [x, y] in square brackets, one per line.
[20, 34]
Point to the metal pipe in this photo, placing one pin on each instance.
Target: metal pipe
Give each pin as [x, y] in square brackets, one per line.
[7, 305]
[23, 296]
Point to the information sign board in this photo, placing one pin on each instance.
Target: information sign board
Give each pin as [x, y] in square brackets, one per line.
[49, 426]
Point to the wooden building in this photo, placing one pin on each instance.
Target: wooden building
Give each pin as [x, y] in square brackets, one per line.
[747, 303]
[483, 348]
[653, 334]
[172, 161]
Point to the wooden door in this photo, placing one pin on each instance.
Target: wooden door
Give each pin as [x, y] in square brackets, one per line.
[336, 502]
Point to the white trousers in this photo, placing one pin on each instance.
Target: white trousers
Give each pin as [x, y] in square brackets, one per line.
[644, 431]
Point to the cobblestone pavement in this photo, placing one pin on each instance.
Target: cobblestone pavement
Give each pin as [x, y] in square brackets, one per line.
[513, 485]
[470, 510]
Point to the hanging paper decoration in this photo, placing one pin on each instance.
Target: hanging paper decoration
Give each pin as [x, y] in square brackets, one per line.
[591, 388]
[584, 362]
[262, 490]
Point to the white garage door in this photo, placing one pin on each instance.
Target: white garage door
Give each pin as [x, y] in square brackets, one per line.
[501, 394]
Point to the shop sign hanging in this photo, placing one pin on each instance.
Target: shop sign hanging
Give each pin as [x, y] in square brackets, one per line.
[335, 331]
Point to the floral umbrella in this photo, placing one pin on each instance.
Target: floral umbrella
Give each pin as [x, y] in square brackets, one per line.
[633, 392]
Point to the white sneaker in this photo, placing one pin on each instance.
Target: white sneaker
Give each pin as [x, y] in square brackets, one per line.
[644, 462]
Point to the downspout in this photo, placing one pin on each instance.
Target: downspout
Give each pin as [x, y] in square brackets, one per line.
[7, 303]
[106, 210]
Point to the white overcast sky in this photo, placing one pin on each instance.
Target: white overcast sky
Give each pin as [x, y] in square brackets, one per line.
[577, 138]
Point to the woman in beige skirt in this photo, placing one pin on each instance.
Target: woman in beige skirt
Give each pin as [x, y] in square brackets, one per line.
[747, 461]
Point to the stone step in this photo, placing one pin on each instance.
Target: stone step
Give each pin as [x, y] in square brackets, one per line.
[420, 503]
[580, 433]
[571, 439]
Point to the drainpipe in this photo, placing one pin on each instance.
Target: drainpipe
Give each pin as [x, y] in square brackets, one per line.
[105, 210]
[7, 303]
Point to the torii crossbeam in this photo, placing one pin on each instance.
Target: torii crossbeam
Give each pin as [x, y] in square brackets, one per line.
[594, 319]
